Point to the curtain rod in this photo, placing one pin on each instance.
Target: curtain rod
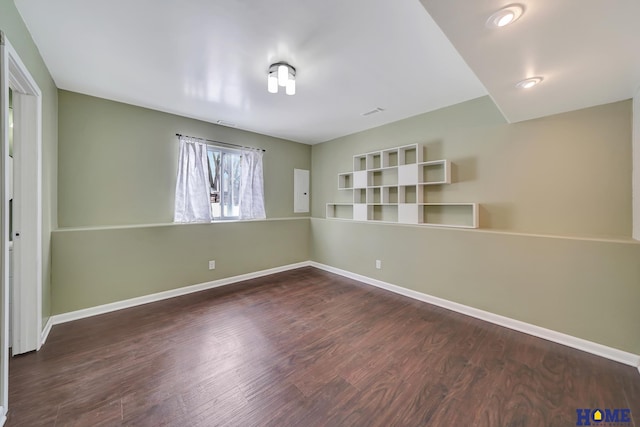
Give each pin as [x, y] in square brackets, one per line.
[220, 142]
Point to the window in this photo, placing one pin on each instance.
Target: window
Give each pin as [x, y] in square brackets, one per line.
[224, 179]
[215, 182]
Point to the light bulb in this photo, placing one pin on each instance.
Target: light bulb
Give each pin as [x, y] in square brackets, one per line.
[506, 19]
[291, 87]
[505, 16]
[529, 83]
[283, 75]
[272, 83]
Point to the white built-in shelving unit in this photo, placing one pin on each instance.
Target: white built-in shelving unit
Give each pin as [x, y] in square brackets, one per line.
[390, 186]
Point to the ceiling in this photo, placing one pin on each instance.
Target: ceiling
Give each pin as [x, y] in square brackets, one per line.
[208, 59]
[587, 51]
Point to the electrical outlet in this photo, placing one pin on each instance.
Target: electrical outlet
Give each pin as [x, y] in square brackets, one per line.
[378, 264]
[212, 265]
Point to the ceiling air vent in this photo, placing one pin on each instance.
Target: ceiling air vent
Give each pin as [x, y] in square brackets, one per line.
[225, 123]
[374, 111]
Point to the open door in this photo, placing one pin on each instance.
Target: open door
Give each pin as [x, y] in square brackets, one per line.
[27, 212]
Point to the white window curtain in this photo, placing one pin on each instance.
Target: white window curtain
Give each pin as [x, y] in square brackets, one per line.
[252, 185]
[193, 189]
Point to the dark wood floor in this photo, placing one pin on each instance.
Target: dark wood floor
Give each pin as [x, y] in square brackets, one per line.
[306, 348]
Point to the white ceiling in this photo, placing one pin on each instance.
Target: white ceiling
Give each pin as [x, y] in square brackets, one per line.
[208, 59]
[588, 51]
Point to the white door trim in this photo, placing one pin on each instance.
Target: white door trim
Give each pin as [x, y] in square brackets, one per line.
[27, 135]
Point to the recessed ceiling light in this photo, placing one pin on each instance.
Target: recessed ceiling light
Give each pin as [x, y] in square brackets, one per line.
[505, 16]
[528, 83]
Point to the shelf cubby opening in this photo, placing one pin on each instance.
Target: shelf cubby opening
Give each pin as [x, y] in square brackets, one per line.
[408, 194]
[450, 215]
[360, 195]
[345, 181]
[339, 211]
[390, 195]
[409, 155]
[390, 158]
[374, 195]
[375, 179]
[389, 176]
[360, 163]
[383, 213]
[374, 161]
[437, 172]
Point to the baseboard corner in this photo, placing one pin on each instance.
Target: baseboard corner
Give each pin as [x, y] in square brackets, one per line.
[46, 330]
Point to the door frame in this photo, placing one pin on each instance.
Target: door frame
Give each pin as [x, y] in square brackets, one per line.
[27, 299]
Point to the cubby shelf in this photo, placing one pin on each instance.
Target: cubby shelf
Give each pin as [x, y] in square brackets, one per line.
[389, 186]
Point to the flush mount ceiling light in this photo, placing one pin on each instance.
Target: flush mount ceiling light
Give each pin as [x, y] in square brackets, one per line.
[505, 16]
[281, 74]
[528, 83]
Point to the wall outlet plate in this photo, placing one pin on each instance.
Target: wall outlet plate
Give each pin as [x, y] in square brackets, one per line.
[212, 265]
[378, 264]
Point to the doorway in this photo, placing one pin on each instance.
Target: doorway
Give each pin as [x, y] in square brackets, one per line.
[25, 210]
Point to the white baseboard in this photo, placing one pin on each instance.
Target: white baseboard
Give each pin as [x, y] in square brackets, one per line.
[119, 305]
[45, 331]
[527, 328]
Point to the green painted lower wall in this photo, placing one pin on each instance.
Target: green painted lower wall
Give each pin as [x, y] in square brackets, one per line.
[100, 266]
[586, 288]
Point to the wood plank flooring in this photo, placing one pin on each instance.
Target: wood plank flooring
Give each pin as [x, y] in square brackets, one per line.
[306, 348]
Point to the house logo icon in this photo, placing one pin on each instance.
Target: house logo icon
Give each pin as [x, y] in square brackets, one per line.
[607, 417]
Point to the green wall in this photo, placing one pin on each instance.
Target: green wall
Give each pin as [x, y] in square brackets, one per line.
[568, 174]
[586, 288]
[100, 266]
[117, 172]
[555, 194]
[118, 163]
[554, 249]
[16, 32]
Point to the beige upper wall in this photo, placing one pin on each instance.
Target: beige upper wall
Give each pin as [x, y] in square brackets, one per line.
[16, 32]
[118, 162]
[568, 174]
